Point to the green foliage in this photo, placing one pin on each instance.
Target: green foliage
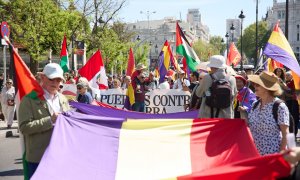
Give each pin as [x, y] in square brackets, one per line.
[205, 50]
[249, 39]
[40, 25]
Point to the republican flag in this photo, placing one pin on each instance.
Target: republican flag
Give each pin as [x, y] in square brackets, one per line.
[25, 85]
[272, 65]
[234, 57]
[130, 64]
[279, 49]
[64, 60]
[122, 148]
[164, 57]
[183, 48]
[94, 71]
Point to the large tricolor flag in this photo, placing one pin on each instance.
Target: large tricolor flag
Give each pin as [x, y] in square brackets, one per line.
[25, 85]
[279, 49]
[94, 71]
[234, 57]
[130, 63]
[164, 57]
[64, 59]
[184, 48]
[98, 147]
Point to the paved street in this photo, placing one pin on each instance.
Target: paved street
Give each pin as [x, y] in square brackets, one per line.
[10, 154]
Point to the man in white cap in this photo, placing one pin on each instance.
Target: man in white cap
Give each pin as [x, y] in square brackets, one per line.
[37, 117]
[181, 82]
[218, 71]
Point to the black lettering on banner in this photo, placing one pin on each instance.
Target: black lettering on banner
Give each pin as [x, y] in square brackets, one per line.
[172, 100]
[103, 98]
[148, 109]
[119, 99]
[187, 99]
[156, 110]
[163, 100]
[147, 100]
[164, 111]
[156, 100]
[110, 99]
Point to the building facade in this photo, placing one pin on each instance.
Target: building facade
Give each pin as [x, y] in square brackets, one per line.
[278, 12]
[156, 32]
[235, 34]
[194, 19]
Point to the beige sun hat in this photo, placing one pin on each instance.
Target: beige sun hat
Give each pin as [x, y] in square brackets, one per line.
[267, 80]
[140, 67]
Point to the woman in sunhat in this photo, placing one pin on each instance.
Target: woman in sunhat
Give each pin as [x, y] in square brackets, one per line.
[269, 135]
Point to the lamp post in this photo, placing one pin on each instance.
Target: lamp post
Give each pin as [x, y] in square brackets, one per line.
[242, 16]
[148, 13]
[227, 36]
[232, 28]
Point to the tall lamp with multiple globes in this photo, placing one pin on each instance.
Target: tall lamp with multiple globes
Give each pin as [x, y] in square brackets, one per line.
[242, 16]
[227, 46]
[232, 28]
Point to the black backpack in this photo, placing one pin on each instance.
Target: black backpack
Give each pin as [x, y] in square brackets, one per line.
[220, 95]
[275, 114]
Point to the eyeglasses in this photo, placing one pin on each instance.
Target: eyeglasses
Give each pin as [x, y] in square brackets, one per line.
[9, 83]
[79, 88]
[61, 86]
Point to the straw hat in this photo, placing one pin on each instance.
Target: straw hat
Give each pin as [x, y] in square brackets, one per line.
[267, 80]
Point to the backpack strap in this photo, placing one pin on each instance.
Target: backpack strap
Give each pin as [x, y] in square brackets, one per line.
[275, 109]
[255, 104]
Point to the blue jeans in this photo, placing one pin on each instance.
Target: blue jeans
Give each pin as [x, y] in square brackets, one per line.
[139, 107]
[31, 168]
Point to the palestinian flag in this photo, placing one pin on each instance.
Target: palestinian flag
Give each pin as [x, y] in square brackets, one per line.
[25, 85]
[184, 48]
[64, 60]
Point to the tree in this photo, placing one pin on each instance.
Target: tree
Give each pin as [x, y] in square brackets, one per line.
[39, 26]
[249, 39]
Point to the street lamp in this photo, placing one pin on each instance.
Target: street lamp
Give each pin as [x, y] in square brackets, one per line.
[232, 28]
[242, 16]
[227, 36]
[148, 13]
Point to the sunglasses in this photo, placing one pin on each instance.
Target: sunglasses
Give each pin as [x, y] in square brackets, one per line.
[9, 83]
[61, 86]
[79, 88]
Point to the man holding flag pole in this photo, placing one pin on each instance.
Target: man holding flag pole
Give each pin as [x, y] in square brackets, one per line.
[38, 106]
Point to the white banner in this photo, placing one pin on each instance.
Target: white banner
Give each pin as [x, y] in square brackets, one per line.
[158, 101]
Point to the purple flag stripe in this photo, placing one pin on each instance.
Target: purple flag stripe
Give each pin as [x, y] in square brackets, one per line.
[83, 139]
[108, 112]
[280, 55]
[162, 68]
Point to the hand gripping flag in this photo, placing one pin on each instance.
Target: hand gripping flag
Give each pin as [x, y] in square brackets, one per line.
[184, 48]
[279, 49]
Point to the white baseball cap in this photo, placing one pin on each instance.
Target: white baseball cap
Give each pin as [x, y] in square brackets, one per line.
[53, 70]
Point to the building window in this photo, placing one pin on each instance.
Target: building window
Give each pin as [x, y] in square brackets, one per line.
[298, 36]
[134, 27]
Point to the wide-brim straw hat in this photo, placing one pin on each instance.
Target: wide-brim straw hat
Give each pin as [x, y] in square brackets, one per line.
[267, 80]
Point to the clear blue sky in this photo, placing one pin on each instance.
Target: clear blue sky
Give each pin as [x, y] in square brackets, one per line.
[214, 12]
